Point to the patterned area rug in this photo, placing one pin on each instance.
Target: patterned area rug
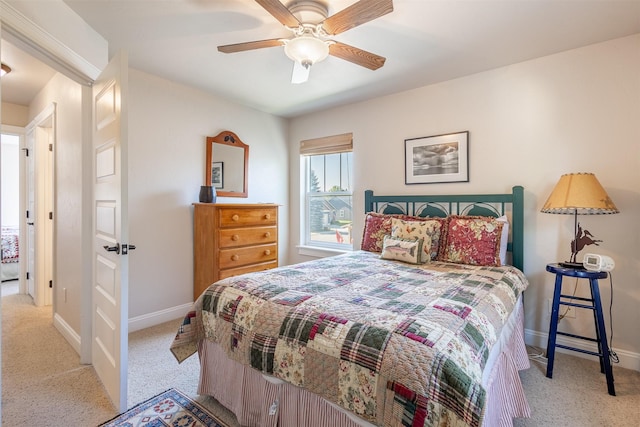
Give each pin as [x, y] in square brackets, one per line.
[170, 408]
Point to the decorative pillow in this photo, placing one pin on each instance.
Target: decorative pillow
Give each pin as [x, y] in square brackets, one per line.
[406, 250]
[376, 226]
[504, 239]
[427, 229]
[473, 240]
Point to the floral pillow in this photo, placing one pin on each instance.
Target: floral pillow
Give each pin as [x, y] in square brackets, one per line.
[473, 240]
[406, 250]
[377, 225]
[426, 229]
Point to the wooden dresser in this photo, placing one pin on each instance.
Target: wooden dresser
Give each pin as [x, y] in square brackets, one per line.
[232, 239]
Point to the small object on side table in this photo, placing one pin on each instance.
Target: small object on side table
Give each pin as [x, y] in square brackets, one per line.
[596, 306]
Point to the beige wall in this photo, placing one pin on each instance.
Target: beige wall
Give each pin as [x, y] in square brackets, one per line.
[529, 123]
[15, 115]
[168, 124]
[70, 253]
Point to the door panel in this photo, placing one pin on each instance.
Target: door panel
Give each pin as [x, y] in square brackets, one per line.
[110, 227]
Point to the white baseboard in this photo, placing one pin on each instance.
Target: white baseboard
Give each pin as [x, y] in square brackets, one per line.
[155, 318]
[135, 323]
[628, 359]
[67, 332]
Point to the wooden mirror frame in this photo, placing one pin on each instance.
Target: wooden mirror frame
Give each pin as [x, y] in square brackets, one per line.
[227, 138]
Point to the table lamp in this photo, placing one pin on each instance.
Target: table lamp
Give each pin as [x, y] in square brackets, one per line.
[579, 194]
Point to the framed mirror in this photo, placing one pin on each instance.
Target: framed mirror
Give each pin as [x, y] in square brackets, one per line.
[227, 165]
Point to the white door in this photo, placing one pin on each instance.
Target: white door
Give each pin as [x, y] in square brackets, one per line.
[40, 143]
[110, 227]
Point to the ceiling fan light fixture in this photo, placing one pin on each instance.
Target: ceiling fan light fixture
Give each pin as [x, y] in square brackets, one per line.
[306, 50]
[5, 69]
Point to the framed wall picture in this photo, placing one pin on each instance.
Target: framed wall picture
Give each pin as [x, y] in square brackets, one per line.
[440, 158]
[217, 174]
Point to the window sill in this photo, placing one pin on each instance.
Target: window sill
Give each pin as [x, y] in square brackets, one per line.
[320, 252]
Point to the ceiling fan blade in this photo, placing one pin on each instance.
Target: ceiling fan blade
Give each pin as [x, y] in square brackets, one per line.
[300, 73]
[259, 44]
[356, 14]
[357, 56]
[280, 12]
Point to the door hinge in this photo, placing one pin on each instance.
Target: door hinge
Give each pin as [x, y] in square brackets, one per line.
[50, 215]
[50, 147]
[27, 275]
[27, 214]
[51, 283]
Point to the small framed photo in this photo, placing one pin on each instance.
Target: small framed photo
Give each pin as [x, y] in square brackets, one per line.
[434, 159]
[216, 174]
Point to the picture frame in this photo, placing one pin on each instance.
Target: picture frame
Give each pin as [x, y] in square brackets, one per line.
[217, 169]
[437, 159]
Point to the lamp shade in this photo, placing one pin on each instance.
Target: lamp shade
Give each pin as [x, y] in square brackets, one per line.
[579, 193]
[306, 50]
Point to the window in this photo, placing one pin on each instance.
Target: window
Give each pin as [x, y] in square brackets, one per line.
[328, 192]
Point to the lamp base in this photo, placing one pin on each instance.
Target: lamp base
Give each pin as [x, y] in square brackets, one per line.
[574, 265]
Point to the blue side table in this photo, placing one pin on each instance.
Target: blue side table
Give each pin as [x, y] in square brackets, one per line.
[596, 306]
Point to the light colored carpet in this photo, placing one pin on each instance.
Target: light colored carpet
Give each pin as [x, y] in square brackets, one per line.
[43, 380]
[577, 394]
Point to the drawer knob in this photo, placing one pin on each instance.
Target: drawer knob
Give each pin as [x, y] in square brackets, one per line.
[267, 216]
[234, 257]
[235, 217]
[267, 234]
[235, 237]
[267, 252]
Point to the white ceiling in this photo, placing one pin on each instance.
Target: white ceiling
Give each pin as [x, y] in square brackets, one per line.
[424, 41]
[27, 76]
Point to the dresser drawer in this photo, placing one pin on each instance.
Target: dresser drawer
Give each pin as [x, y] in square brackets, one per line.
[234, 237]
[236, 257]
[238, 217]
[248, 269]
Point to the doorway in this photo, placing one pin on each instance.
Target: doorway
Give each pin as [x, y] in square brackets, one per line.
[10, 269]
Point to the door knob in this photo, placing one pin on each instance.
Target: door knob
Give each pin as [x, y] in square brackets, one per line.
[115, 248]
[127, 248]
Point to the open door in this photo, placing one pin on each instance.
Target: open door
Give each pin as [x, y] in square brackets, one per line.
[39, 194]
[110, 227]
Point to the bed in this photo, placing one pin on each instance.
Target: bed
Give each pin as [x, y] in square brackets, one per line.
[377, 336]
[10, 254]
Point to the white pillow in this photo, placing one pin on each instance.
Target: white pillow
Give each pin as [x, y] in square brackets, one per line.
[504, 239]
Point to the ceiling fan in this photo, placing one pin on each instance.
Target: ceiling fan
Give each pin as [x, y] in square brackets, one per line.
[311, 28]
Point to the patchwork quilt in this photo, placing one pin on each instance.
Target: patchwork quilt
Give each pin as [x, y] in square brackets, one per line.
[10, 250]
[395, 343]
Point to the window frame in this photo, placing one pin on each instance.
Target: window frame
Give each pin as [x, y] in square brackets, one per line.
[336, 144]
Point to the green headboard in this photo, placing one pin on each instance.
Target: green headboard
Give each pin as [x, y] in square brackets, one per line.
[495, 205]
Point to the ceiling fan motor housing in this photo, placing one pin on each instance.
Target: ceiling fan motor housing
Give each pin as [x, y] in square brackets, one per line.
[309, 11]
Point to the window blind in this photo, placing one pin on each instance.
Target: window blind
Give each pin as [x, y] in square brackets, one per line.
[327, 145]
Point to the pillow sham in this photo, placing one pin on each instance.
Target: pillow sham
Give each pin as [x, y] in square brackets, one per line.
[473, 240]
[426, 229]
[376, 226]
[406, 250]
